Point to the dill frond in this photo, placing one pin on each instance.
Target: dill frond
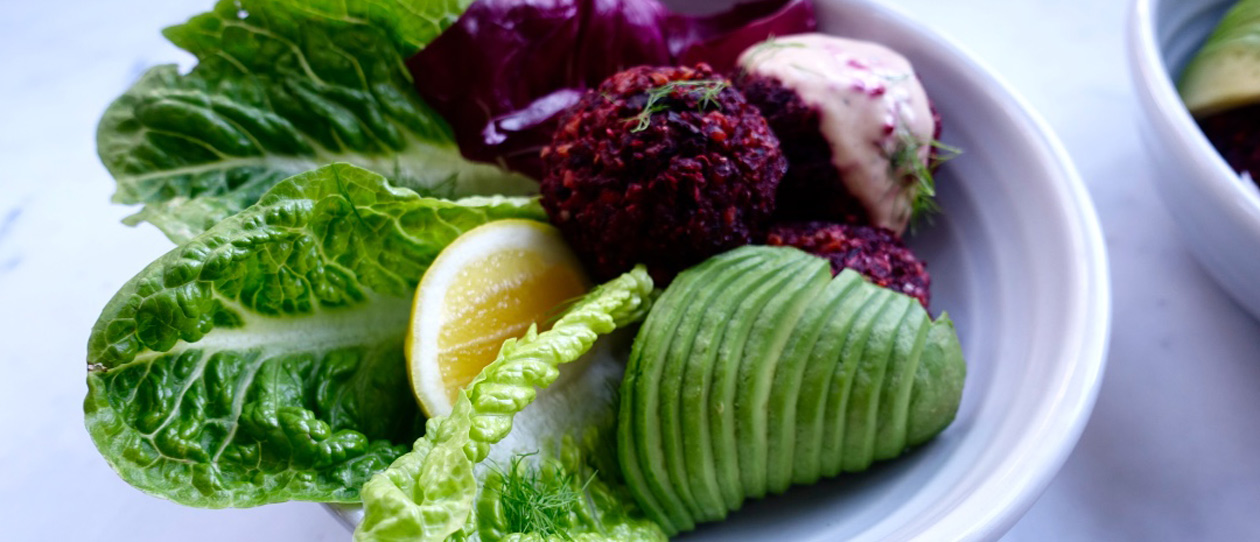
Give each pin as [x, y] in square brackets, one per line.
[810, 71]
[538, 502]
[769, 47]
[705, 91]
[905, 161]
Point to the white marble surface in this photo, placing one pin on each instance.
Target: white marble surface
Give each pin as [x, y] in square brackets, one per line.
[1170, 453]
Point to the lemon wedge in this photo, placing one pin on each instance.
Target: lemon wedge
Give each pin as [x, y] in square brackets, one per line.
[488, 286]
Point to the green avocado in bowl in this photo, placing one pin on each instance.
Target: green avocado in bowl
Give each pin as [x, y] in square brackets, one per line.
[1193, 66]
[1225, 72]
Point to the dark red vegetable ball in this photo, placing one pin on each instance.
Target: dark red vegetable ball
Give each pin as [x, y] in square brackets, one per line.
[664, 166]
[877, 253]
[1236, 135]
[812, 187]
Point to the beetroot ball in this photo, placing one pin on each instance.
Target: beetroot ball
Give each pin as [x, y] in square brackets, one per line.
[877, 253]
[812, 187]
[856, 125]
[662, 166]
[1236, 135]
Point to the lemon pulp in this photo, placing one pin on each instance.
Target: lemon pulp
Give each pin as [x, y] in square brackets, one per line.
[488, 286]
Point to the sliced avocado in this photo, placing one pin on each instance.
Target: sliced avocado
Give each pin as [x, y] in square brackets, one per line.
[722, 427]
[762, 354]
[641, 367]
[840, 381]
[639, 439]
[719, 286]
[1225, 73]
[786, 397]
[868, 383]
[697, 440]
[753, 369]
[938, 384]
[894, 400]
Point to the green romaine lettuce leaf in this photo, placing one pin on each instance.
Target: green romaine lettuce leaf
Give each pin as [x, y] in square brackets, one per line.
[262, 361]
[282, 87]
[429, 493]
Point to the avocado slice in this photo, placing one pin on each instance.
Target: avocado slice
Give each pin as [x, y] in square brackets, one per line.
[1225, 73]
[842, 367]
[639, 439]
[697, 383]
[894, 400]
[722, 427]
[938, 384]
[696, 323]
[644, 365]
[762, 354]
[868, 383]
[786, 397]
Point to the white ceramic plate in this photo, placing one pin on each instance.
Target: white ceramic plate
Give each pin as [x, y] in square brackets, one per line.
[1218, 212]
[1017, 260]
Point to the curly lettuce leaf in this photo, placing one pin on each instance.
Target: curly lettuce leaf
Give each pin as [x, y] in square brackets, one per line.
[263, 360]
[282, 87]
[429, 493]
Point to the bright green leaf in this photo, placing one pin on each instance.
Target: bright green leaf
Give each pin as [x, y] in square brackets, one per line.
[263, 360]
[282, 87]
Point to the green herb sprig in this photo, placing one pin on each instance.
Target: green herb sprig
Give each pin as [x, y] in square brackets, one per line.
[705, 91]
[768, 47]
[904, 161]
[535, 502]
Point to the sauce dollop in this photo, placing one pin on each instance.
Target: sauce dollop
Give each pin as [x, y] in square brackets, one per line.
[873, 111]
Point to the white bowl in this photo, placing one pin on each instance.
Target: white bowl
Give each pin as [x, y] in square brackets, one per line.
[1218, 211]
[1018, 261]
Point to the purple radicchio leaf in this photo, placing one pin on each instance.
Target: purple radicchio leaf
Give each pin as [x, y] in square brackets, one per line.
[507, 69]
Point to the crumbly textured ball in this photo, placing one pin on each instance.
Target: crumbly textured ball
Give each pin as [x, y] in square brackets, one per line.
[876, 253]
[692, 176]
[1236, 135]
[812, 188]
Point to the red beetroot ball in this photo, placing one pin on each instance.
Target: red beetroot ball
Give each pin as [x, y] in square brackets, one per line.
[877, 253]
[1236, 135]
[662, 166]
[812, 187]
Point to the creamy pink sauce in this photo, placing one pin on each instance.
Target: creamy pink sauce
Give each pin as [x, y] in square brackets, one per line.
[871, 107]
